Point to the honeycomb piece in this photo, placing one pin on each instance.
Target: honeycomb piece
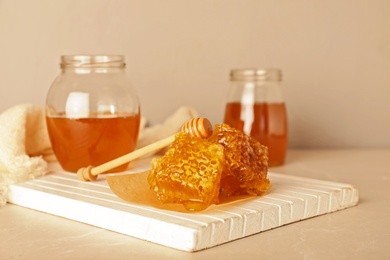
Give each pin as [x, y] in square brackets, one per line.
[188, 173]
[246, 162]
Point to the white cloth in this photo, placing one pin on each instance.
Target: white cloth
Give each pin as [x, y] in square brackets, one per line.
[25, 147]
[169, 127]
[23, 144]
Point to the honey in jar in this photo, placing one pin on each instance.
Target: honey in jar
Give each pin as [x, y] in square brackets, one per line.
[255, 106]
[92, 141]
[92, 111]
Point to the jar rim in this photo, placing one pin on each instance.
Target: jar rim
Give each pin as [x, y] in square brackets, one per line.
[92, 61]
[254, 74]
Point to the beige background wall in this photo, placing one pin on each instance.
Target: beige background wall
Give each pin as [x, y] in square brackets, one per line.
[335, 55]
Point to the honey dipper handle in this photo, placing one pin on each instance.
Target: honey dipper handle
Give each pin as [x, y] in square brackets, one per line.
[90, 173]
[196, 127]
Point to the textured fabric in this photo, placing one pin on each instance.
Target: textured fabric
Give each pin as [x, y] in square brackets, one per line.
[24, 143]
[169, 127]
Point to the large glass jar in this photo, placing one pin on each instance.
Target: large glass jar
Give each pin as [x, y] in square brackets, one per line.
[92, 111]
[255, 105]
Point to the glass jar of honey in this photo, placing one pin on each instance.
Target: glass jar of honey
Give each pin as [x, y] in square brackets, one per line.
[92, 111]
[255, 105]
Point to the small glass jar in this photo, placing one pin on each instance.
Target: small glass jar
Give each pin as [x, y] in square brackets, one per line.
[255, 105]
[92, 111]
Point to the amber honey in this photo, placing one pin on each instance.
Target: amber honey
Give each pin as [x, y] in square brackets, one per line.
[92, 141]
[199, 172]
[265, 122]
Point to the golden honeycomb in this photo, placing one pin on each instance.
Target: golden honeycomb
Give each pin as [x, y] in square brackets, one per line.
[197, 172]
[188, 173]
[246, 162]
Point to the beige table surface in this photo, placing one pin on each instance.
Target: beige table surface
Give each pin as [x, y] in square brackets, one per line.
[361, 232]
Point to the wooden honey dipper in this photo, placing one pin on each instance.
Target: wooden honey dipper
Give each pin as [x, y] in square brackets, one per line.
[196, 127]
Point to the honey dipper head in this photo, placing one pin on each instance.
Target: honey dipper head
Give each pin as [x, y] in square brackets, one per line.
[85, 174]
[198, 127]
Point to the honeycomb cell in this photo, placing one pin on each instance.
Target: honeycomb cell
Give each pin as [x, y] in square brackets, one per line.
[188, 173]
[246, 162]
[198, 172]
